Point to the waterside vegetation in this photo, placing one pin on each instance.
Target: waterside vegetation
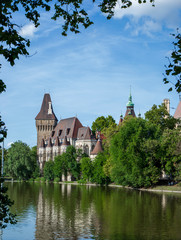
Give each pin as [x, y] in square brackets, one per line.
[136, 153]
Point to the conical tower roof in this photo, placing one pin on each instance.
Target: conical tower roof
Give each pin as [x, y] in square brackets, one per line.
[98, 148]
[46, 111]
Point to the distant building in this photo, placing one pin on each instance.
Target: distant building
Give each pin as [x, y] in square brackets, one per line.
[129, 110]
[54, 137]
[166, 102]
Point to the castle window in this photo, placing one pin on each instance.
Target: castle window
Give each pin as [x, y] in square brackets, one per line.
[68, 130]
[60, 132]
[52, 133]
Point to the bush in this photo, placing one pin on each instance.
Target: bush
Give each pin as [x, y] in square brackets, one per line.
[57, 179]
[38, 179]
[82, 181]
[42, 179]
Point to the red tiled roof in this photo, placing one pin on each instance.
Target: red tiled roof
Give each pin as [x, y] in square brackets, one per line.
[177, 113]
[67, 127]
[97, 149]
[43, 114]
[84, 133]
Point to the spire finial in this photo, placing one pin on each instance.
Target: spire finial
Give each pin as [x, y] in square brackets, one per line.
[130, 103]
[130, 90]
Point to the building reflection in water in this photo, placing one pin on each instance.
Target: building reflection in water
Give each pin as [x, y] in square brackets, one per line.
[64, 216]
[87, 212]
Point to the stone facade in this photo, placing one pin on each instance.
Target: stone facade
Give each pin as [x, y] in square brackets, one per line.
[54, 137]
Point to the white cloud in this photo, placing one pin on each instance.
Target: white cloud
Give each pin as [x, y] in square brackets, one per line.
[147, 19]
[162, 9]
[28, 30]
[147, 28]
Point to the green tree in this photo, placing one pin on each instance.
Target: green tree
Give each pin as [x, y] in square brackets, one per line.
[102, 122]
[58, 166]
[35, 165]
[48, 170]
[98, 175]
[132, 159]
[20, 163]
[173, 69]
[73, 165]
[159, 115]
[171, 148]
[67, 163]
[108, 133]
[5, 203]
[86, 168]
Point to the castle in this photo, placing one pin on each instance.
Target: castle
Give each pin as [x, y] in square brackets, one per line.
[54, 137]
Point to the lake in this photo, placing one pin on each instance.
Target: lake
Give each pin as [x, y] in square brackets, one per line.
[64, 211]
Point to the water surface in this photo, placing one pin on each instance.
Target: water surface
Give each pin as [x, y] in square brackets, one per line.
[61, 211]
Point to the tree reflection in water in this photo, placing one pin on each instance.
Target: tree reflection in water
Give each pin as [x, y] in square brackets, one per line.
[87, 212]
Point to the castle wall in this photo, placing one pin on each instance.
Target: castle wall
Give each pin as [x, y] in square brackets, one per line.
[44, 129]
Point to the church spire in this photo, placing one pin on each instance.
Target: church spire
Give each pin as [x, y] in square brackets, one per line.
[130, 103]
[130, 106]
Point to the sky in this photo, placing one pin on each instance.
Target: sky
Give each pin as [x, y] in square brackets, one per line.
[89, 74]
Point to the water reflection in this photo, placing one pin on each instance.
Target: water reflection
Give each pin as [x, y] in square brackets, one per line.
[88, 212]
[63, 213]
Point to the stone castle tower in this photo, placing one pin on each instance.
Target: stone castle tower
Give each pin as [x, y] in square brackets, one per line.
[45, 120]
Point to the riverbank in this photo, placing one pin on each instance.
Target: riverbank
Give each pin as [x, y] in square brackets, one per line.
[160, 188]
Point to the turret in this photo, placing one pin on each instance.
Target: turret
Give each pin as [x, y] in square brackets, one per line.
[130, 107]
[56, 147]
[64, 145]
[97, 149]
[49, 150]
[121, 119]
[45, 120]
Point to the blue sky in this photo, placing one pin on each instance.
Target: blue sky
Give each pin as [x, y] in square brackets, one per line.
[89, 74]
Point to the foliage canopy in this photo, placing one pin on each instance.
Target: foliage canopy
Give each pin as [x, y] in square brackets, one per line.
[159, 115]
[21, 161]
[132, 162]
[173, 69]
[102, 122]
